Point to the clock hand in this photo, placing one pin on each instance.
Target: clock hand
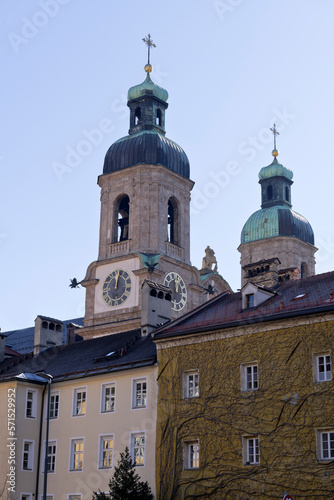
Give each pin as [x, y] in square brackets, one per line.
[116, 283]
[177, 284]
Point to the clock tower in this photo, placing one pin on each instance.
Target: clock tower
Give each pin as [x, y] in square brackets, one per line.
[145, 221]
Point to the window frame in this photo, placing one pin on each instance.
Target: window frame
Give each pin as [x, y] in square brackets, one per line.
[186, 384]
[246, 440]
[187, 454]
[319, 441]
[30, 461]
[133, 436]
[103, 397]
[71, 496]
[76, 391]
[54, 394]
[244, 376]
[52, 442]
[73, 442]
[316, 372]
[102, 438]
[135, 381]
[33, 403]
[250, 300]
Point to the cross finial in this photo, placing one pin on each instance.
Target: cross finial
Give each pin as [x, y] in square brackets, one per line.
[149, 42]
[275, 132]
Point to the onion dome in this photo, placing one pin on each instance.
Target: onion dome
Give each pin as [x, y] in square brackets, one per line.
[278, 220]
[276, 217]
[146, 142]
[147, 88]
[275, 169]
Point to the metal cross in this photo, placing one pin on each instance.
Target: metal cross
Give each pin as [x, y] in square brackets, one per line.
[274, 131]
[149, 42]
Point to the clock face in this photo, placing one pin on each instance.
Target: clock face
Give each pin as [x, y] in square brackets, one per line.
[179, 289]
[116, 288]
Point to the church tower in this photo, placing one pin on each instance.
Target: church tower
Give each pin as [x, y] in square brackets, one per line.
[145, 220]
[276, 240]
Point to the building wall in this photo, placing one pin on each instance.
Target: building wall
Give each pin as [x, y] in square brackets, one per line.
[291, 252]
[284, 413]
[120, 423]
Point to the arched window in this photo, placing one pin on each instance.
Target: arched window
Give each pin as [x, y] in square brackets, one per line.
[123, 210]
[153, 293]
[160, 295]
[269, 193]
[51, 326]
[137, 115]
[158, 119]
[287, 197]
[303, 270]
[173, 222]
[45, 324]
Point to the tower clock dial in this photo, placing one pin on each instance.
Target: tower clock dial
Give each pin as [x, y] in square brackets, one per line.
[179, 289]
[116, 287]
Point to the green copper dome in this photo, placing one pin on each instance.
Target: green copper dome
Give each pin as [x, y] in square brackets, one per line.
[278, 220]
[147, 88]
[275, 169]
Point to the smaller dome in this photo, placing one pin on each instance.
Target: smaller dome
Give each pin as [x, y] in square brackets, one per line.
[147, 88]
[278, 220]
[275, 169]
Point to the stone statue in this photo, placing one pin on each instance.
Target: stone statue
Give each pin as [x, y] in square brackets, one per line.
[209, 260]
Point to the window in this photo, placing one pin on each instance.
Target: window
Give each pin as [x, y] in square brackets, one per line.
[108, 398]
[191, 385]
[138, 448]
[79, 407]
[191, 455]
[250, 300]
[31, 400]
[139, 393]
[26, 496]
[123, 211]
[322, 366]
[327, 445]
[28, 455]
[251, 451]
[54, 405]
[52, 447]
[173, 225]
[77, 448]
[74, 497]
[106, 451]
[249, 377]
[269, 193]
[48, 497]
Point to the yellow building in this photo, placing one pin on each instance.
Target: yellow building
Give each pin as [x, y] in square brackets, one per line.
[246, 395]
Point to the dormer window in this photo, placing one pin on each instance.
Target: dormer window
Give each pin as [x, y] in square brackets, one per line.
[253, 295]
[249, 300]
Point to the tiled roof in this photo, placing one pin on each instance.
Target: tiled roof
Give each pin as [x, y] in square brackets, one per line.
[110, 352]
[302, 296]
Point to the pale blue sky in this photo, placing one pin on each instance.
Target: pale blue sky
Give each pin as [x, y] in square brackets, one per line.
[231, 67]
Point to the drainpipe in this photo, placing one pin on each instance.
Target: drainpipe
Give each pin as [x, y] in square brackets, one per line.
[39, 443]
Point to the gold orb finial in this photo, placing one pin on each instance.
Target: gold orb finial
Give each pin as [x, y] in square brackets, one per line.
[148, 68]
[275, 153]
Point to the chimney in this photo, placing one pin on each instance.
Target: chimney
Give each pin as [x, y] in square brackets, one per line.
[48, 333]
[156, 306]
[263, 272]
